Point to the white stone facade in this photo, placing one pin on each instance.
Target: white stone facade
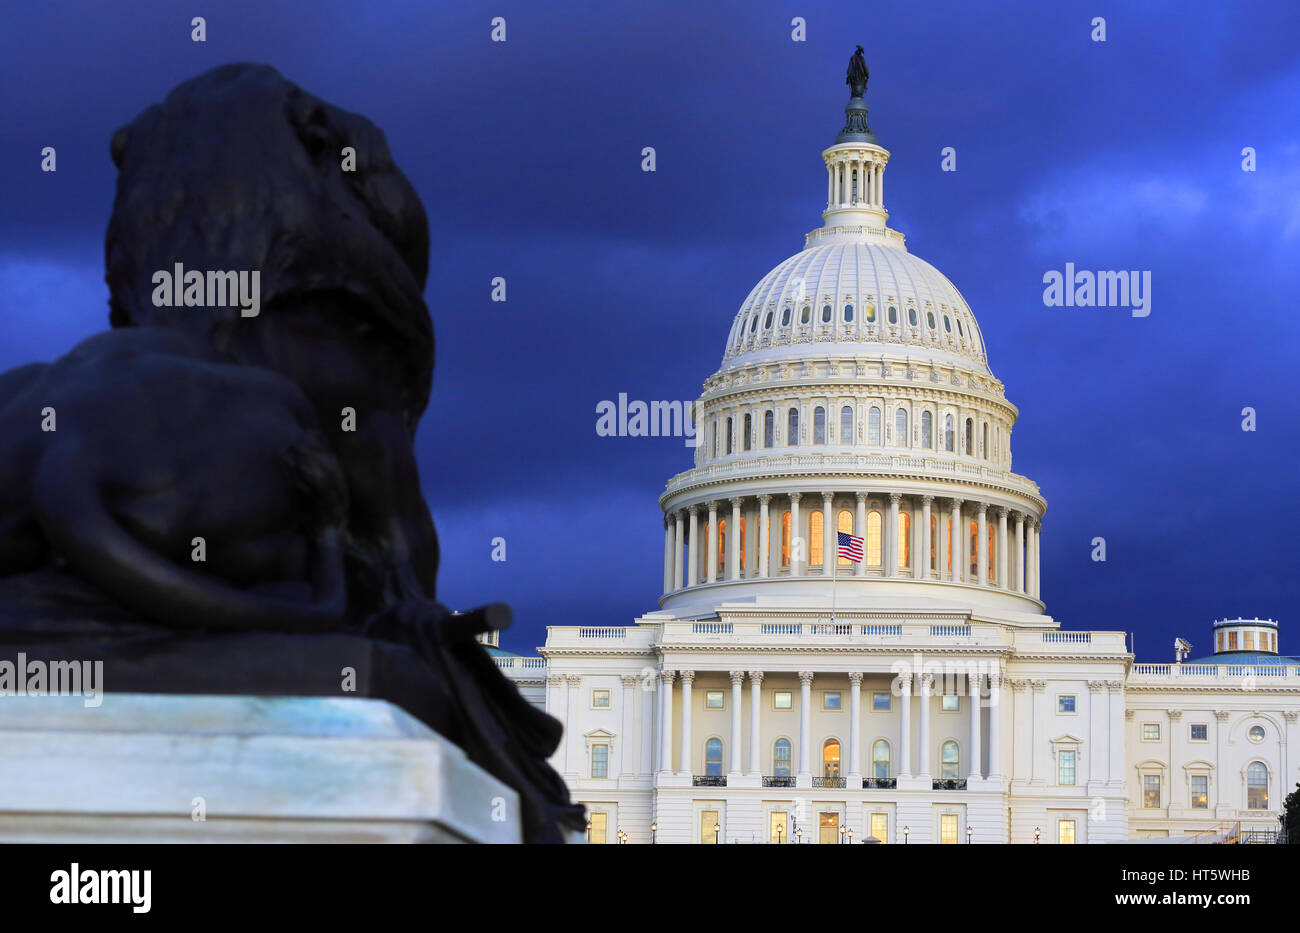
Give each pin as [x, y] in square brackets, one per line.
[921, 694]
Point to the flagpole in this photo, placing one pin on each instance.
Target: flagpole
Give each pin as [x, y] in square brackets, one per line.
[835, 576]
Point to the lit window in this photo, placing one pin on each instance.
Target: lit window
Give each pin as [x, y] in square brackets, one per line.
[722, 546]
[948, 829]
[815, 536]
[831, 759]
[598, 821]
[1200, 732]
[873, 427]
[600, 761]
[1065, 767]
[871, 313]
[949, 761]
[991, 548]
[900, 428]
[781, 758]
[778, 829]
[974, 534]
[874, 547]
[846, 425]
[845, 524]
[1250, 641]
[1065, 703]
[828, 828]
[880, 760]
[1256, 733]
[1151, 791]
[713, 699]
[1257, 786]
[1065, 832]
[1200, 791]
[769, 427]
[785, 538]
[880, 826]
[1218, 641]
[600, 699]
[792, 428]
[880, 702]
[1232, 641]
[741, 542]
[819, 425]
[949, 702]
[934, 542]
[710, 828]
[831, 700]
[926, 421]
[781, 699]
[713, 758]
[904, 540]
[1150, 732]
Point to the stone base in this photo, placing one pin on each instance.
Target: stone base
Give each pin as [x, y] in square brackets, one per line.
[169, 768]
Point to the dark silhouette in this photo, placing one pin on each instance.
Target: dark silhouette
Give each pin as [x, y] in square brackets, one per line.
[195, 422]
[856, 77]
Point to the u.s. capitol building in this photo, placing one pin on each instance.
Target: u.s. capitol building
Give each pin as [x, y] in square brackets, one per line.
[781, 694]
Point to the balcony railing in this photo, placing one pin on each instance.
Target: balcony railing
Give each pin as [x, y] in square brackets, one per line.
[708, 780]
[950, 784]
[770, 780]
[828, 782]
[879, 783]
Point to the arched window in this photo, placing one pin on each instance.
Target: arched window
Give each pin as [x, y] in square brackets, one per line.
[947, 324]
[926, 424]
[785, 317]
[900, 428]
[728, 437]
[740, 542]
[715, 438]
[831, 759]
[844, 523]
[871, 313]
[749, 430]
[874, 547]
[934, 543]
[769, 427]
[753, 323]
[826, 314]
[993, 552]
[893, 315]
[806, 315]
[1257, 786]
[911, 316]
[960, 332]
[873, 427]
[819, 425]
[880, 759]
[974, 533]
[767, 321]
[815, 538]
[904, 540]
[970, 438]
[781, 758]
[722, 546]
[713, 758]
[929, 319]
[846, 425]
[792, 428]
[947, 433]
[785, 539]
[848, 314]
[949, 761]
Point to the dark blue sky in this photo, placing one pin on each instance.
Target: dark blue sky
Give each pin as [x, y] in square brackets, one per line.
[1122, 155]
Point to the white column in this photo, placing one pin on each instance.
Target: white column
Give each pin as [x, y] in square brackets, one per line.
[666, 723]
[920, 559]
[926, 542]
[1038, 560]
[677, 553]
[1116, 688]
[982, 544]
[684, 765]
[974, 682]
[927, 689]
[711, 568]
[630, 749]
[668, 555]
[570, 726]
[891, 560]
[1037, 721]
[805, 726]
[693, 551]
[830, 185]
[860, 529]
[764, 535]
[905, 725]
[646, 763]
[1002, 550]
[795, 535]
[995, 726]
[957, 536]
[855, 729]
[733, 756]
[735, 541]
[755, 707]
[555, 706]
[880, 186]
[1098, 711]
[1020, 552]
[829, 551]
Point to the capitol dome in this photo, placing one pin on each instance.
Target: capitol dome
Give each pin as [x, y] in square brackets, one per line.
[854, 397]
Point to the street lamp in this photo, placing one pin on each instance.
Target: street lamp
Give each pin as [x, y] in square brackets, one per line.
[850, 837]
[905, 833]
[843, 830]
[1037, 832]
[779, 828]
[969, 833]
[654, 828]
[798, 835]
[588, 832]
[622, 837]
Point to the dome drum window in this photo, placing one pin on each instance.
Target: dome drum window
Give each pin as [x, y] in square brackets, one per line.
[767, 322]
[806, 315]
[893, 315]
[911, 316]
[826, 314]
[848, 314]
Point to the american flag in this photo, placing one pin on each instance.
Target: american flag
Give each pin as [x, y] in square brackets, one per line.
[851, 547]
